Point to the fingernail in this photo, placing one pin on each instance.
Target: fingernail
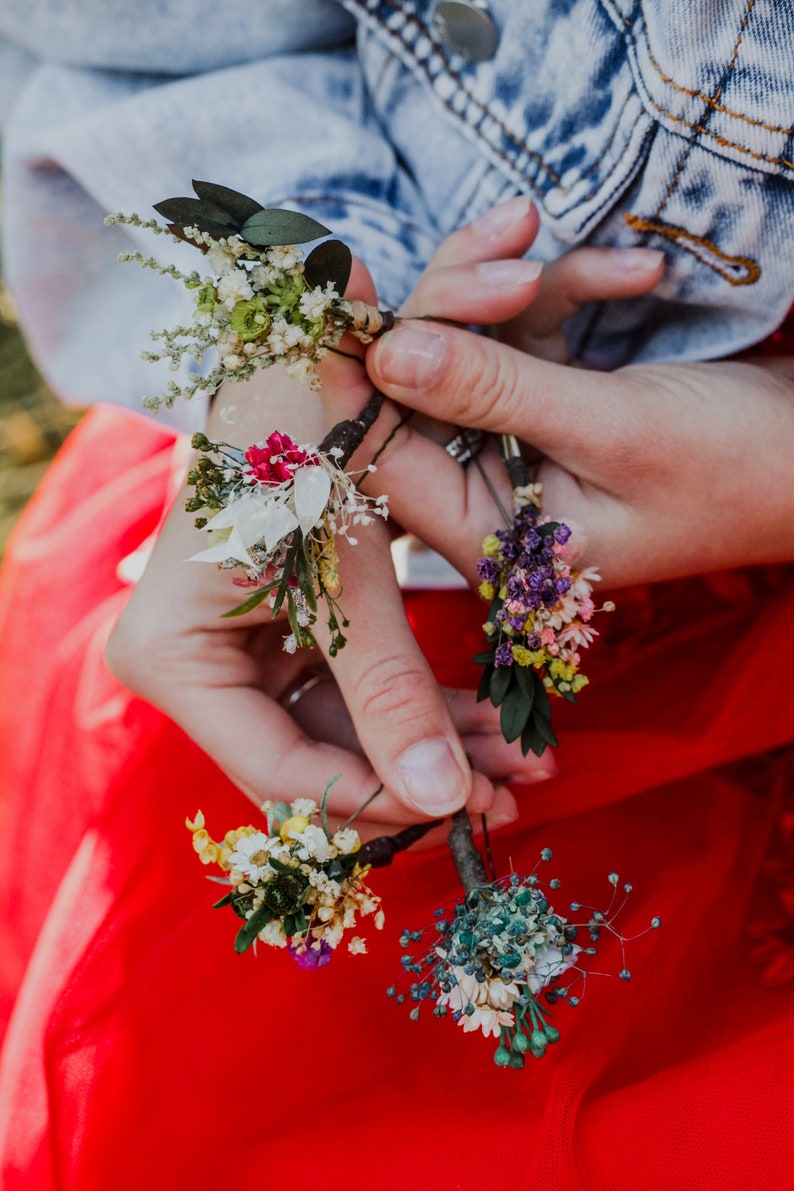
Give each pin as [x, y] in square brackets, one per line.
[430, 778]
[503, 811]
[500, 219]
[410, 356]
[508, 274]
[637, 260]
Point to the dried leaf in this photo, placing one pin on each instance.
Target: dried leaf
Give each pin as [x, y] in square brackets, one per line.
[276, 227]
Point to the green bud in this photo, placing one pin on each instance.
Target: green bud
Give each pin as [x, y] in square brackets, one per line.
[286, 293]
[516, 1060]
[538, 1043]
[206, 299]
[502, 1056]
[552, 1034]
[250, 319]
[521, 1043]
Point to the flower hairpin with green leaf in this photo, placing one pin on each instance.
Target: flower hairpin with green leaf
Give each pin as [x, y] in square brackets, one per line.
[276, 510]
[262, 302]
[297, 884]
[539, 616]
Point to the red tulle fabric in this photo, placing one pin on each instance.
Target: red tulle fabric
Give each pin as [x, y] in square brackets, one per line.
[140, 1050]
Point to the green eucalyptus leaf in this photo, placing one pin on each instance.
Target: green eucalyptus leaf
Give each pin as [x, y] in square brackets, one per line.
[276, 227]
[252, 602]
[330, 261]
[190, 212]
[485, 658]
[484, 689]
[225, 900]
[251, 928]
[238, 206]
[541, 713]
[525, 680]
[548, 527]
[569, 696]
[532, 739]
[515, 713]
[500, 683]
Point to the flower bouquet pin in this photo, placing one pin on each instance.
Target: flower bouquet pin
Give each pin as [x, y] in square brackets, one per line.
[298, 885]
[539, 615]
[502, 957]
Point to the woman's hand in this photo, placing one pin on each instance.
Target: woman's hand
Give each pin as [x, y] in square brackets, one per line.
[666, 470]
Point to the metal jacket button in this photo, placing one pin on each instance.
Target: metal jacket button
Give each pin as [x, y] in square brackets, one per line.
[467, 27]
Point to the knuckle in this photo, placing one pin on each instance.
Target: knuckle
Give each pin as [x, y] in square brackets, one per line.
[493, 390]
[394, 687]
[129, 651]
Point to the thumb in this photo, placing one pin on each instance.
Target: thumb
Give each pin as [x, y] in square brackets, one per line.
[401, 718]
[467, 379]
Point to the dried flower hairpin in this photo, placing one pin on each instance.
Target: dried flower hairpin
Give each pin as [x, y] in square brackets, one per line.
[538, 620]
[501, 958]
[262, 303]
[276, 510]
[298, 885]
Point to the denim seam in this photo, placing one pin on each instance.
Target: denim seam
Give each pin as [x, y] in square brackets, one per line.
[696, 94]
[702, 126]
[710, 100]
[485, 113]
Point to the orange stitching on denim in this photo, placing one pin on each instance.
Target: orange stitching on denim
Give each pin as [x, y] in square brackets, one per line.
[702, 126]
[521, 146]
[721, 140]
[746, 271]
[709, 99]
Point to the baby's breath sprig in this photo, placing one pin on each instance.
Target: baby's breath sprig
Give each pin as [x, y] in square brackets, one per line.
[276, 511]
[262, 303]
[539, 616]
[502, 957]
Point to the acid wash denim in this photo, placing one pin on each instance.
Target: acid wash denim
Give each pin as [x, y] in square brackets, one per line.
[666, 123]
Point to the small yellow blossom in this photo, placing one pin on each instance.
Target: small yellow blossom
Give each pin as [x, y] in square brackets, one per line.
[208, 850]
[328, 567]
[292, 827]
[527, 657]
[578, 681]
[487, 590]
[562, 670]
[491, 545]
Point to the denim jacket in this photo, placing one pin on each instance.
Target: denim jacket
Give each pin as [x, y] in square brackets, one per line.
[657, 122]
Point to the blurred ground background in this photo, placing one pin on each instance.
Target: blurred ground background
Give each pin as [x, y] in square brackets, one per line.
[33, 424]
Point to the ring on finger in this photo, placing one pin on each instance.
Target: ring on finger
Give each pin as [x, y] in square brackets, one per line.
[465, 446]
[300, 687]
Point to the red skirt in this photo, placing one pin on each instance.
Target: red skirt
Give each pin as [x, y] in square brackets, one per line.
[140, 1050]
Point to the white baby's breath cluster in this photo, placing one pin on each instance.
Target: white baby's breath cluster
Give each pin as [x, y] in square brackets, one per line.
[295, 885]
[255, 309]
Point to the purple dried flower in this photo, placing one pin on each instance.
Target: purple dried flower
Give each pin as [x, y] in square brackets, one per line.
[504, 655]
[562, 533]
[310, 957]
[488, 569]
